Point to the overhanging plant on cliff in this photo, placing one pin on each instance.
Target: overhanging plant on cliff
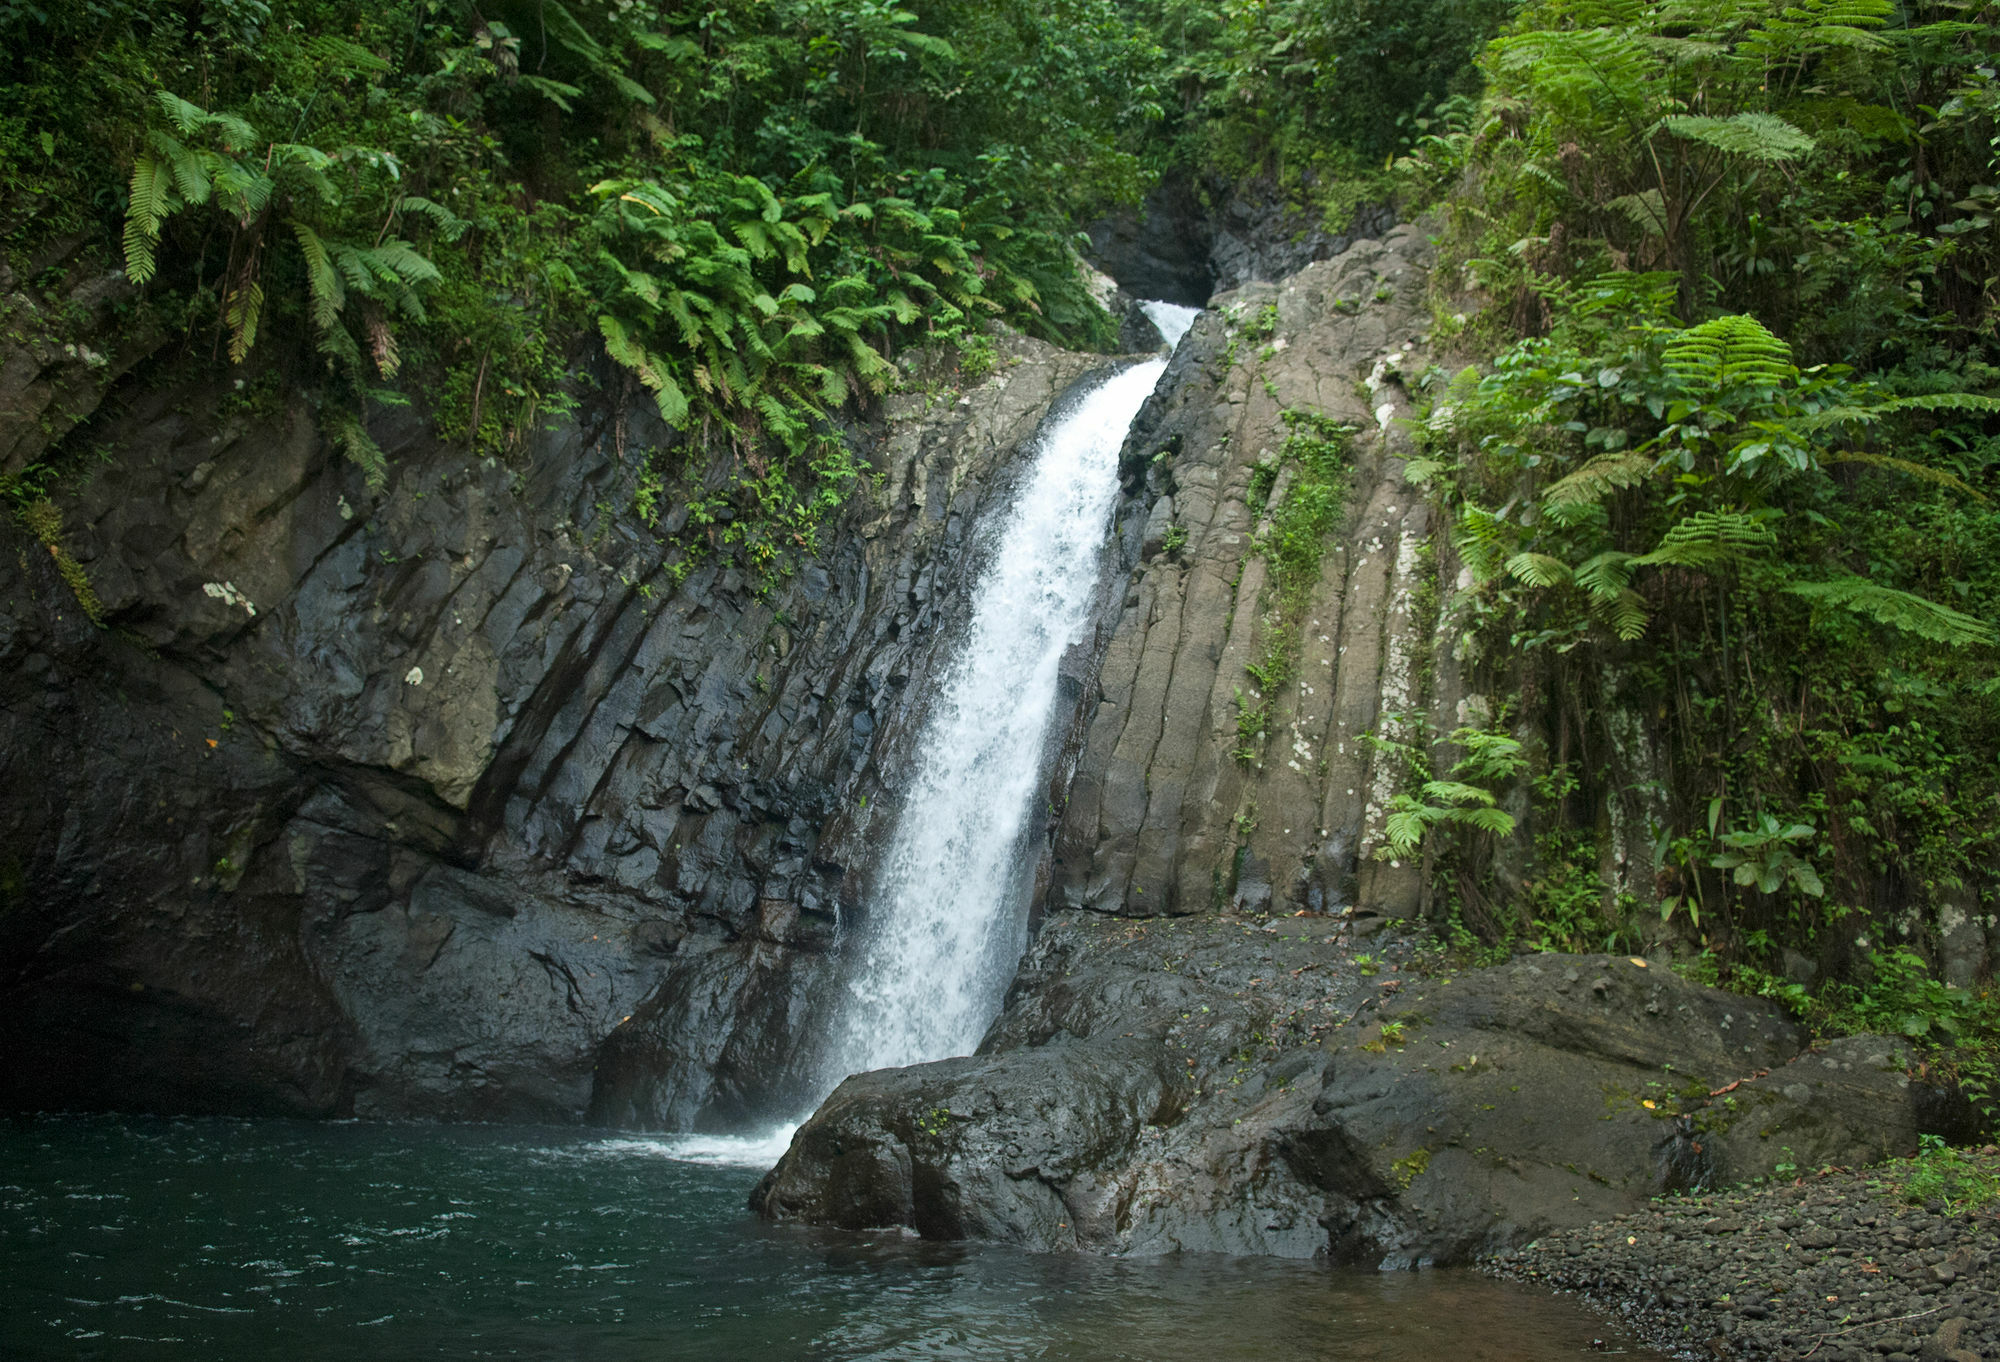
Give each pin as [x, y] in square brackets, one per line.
[407, 188]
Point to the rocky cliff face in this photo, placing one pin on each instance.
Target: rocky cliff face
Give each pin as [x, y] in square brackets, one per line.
[1163, 817]
[450, 802]
[1202, 1052]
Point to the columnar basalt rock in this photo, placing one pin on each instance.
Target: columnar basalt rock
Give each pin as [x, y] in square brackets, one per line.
[1214, 1044]
[449, 802]
[1164, 817]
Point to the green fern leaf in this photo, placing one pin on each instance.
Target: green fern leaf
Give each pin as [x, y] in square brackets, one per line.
[1898, 609]
[1597, 480]
[1709, 539]
[1539, 569]
[345, 57]
[1606, 575]
[151, 201]
[352, 437]
[1624, 613]
[322, 280]
[1727, 351]
[650, 370]
[242, 311]
[1921, 471]
[1757, 136]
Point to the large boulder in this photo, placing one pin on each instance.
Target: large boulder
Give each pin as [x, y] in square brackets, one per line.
[1219, 1085]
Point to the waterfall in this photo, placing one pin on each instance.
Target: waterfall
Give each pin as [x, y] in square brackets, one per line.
[949, 922]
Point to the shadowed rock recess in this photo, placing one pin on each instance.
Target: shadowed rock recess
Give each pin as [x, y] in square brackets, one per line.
[1184, 1065]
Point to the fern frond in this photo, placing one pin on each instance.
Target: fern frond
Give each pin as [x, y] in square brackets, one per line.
[403, 260]
[1496, 821]
[1605, 575]
[1729, 350]
[450, 226]
[649, 368]
[346, 431]
[190, 172]
[241, 313]
[1456, 792]
[1539, 569]
[1624, 613]
[322, 280]
[1483, 537]
[1922, 471]
[344, 56]
[1757, 136]
[188, 119]
[1709, 539]
[152, 199]
[1598, 479]
[1869, 415]
[1898, 609]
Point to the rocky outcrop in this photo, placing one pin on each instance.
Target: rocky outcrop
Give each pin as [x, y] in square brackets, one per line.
[452, 801]
[61, 351]
[1226, 1086]
[1163, 816]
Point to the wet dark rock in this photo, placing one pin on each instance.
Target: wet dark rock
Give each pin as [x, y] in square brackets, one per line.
[449, 802]
[1238, 1086]
[1184, 243]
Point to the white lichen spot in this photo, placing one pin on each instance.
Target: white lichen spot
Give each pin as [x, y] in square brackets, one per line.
[227, 593]
[414, 677]
[346, 511]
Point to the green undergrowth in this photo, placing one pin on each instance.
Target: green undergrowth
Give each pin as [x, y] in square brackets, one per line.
[1726, 493]
[1955, 1179]
[1292, 542]
[748, 209]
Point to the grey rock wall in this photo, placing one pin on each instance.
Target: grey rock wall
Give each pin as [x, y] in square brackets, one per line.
[450, 802]
[1162, 817]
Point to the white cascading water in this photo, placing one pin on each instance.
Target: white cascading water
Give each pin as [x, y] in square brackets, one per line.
[948, 926]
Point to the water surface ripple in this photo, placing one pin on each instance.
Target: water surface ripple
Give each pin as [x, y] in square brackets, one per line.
[215, 1241]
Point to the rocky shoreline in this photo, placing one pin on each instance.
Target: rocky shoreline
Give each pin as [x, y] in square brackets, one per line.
[1839, 1266]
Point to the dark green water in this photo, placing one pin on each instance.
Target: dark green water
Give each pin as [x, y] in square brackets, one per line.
[223, 1240]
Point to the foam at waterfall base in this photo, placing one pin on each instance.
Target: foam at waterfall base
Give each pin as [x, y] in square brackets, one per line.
[761, 1150]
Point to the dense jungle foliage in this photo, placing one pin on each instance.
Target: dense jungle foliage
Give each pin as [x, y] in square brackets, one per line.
[750, 205]
[1732, 467]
